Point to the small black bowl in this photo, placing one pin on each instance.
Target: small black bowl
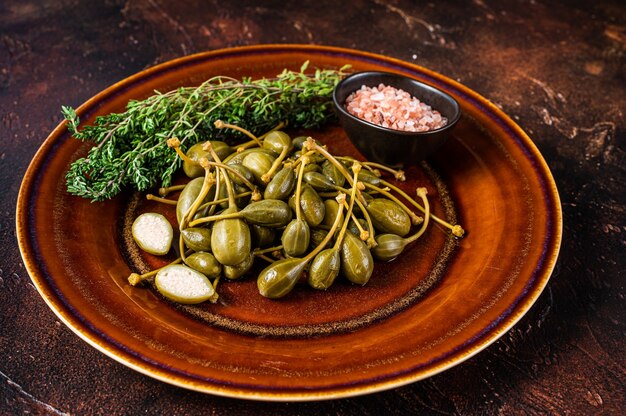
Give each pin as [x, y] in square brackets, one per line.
[388, 146]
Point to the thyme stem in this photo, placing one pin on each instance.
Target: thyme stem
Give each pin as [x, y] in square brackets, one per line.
[130, 148]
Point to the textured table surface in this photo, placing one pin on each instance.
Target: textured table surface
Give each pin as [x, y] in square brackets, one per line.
[557, 68]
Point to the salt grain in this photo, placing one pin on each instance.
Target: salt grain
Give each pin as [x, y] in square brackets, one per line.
[393, 108]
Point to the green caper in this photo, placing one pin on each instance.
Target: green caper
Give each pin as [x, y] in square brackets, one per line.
[331, 208]
[230, 240]
[205, 263]
[243, 171]
[389, 217]
[317, 158]
[267, 212]
[236, 158]
[352, 227]
[319, 181]
[196, 152]
[276, 141]
[281, 185]
[357, 263]
[311, 204]
[298, 142]
[314, 159]
[238, 270]
[389, 246]
[317, 236]
[187, 197]
[241, 201]
[259, 164]
[368, 177]
[324, 269]
[262, 237]
[197, 238]
[279, 278]
[295, 238]
[368, 198]
[333, 173]
[312, 167]
[222, 149]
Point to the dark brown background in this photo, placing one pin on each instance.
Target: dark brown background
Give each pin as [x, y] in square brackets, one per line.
[558, 68]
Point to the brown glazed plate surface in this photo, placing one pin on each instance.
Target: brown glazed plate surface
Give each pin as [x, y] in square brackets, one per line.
[440, 303]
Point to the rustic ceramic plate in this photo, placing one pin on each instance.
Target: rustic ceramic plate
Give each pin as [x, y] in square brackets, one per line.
[439, 304]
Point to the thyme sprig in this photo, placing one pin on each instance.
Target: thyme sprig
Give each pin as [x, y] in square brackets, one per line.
[131, 147]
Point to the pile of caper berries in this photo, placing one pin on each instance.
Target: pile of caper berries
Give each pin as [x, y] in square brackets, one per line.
[287, 202]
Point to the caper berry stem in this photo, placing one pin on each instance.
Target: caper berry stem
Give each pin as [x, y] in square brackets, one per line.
[421, 192]
[212, 218]
[181, 247]
[456, 229]
[259, 251]
[174, 143]
[310, 144]
[216, 196]
[398, 174]
[229, 186]
[371, 241]
[254, 143]
[279, 126]
[299, 187]
[229, 189]
[297, 162]
[221, 125]
[215, 282]
[356, 168]
[371, 166]
[247, 145]
[164, 191]
[208, 182]
[267, 177]
[341, 200]
[248, 184]
[375, 172]
[135, 279]
[166, 201]
[278, 254]
[222, 200]
[363, 234]
[264, 257]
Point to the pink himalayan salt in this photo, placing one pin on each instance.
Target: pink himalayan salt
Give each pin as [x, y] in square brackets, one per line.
[393, 108]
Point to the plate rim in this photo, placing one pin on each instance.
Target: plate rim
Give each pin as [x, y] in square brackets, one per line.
[521, 308]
